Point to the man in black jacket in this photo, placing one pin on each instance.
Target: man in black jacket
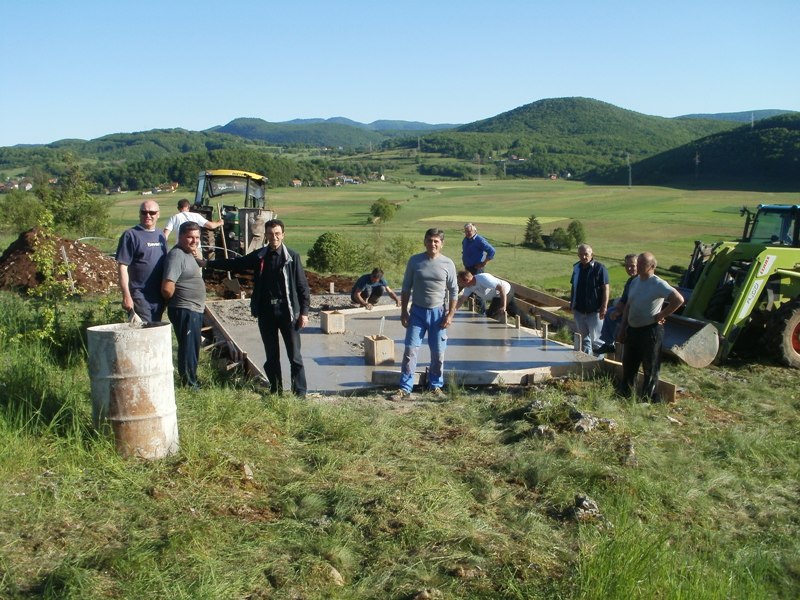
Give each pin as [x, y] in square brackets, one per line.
[281, 299]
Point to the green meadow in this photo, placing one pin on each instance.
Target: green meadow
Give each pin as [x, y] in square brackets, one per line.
[617, 220]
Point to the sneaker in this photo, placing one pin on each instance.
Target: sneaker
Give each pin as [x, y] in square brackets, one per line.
[438, 393]
[400, 396]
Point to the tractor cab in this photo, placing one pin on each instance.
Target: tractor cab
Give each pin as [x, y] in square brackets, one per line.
[773, 225]
[238, 198]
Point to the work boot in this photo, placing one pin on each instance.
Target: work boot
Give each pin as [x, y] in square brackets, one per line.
[400, 396]
[438, 393]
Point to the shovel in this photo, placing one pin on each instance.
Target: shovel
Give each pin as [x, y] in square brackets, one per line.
[230, 285]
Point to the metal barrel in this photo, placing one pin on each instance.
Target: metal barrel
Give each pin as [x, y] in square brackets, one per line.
[133, 393]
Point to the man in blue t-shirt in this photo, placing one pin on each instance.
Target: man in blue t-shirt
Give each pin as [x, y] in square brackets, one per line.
[140, 265]
[369, 288]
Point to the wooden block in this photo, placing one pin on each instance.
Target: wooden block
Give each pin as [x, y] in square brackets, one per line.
[332, 321]
[378, 350]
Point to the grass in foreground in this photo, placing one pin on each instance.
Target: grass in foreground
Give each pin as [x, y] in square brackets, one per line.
[361, 498]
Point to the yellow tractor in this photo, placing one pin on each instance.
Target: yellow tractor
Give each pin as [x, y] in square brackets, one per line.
[238, 199]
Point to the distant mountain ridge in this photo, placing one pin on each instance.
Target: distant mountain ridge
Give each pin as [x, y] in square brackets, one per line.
[334, 132]
[575, 137]
[745, 116]
[380, 125]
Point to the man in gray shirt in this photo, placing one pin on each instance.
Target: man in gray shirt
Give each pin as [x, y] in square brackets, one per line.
[642, 326]
[430, 284]
[185, 291]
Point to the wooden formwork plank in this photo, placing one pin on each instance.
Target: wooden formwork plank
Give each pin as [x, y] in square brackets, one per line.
[537, 297]
[511, 377]
[238, 355]
[667, 390]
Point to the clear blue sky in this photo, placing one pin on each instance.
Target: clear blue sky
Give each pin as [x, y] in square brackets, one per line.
[87, 68]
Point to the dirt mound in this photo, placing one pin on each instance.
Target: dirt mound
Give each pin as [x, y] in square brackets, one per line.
[91, 270]
[318, 284]
[94, 272]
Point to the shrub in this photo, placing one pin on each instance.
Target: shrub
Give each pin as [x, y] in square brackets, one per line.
[19, 211]
[334, 253]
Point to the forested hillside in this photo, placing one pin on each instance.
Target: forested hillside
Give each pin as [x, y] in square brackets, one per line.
[766, 153]
[564, 136]
[310, 134]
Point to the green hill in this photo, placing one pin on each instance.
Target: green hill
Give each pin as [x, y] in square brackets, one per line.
[323, 133]
[144, 145]
[764, 155]
[566, 136]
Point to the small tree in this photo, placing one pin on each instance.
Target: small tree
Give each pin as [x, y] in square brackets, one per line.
[575, 229]
[74, 209]
[19, 211]
[562, 238]
[533, 233]
[383, 210]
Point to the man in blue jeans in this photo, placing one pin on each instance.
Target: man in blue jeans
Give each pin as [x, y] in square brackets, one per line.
[430, 284]
[589, 297]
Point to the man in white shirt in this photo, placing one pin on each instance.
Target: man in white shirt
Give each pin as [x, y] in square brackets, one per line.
[491, 291]
[183, 215]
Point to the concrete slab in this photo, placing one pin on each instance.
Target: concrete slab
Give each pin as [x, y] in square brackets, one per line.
[479, 350]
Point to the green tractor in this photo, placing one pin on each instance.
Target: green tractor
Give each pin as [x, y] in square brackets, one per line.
[748, 290]
[238, 199]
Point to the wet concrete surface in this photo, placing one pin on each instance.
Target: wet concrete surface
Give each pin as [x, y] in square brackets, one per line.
[335, 362]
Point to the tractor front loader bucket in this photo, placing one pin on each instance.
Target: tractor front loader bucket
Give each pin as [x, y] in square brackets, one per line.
[693, 342]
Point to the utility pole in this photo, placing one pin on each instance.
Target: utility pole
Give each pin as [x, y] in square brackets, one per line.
[630, 174]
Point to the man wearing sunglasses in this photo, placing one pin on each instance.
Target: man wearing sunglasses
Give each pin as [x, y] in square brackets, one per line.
[140, 265]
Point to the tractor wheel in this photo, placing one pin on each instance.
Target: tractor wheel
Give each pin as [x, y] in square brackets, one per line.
[786, 334]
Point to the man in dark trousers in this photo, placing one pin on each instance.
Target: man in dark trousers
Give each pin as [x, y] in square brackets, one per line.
[185, 291]
[281, 299]
[650, 301]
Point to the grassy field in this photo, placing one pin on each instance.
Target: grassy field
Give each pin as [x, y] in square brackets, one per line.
[357, 497]
[617, 220]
